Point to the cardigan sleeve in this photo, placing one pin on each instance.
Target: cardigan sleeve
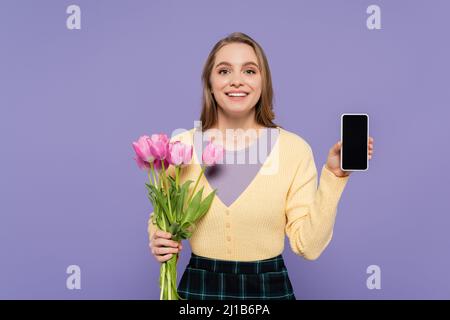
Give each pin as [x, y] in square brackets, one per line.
[311, 212]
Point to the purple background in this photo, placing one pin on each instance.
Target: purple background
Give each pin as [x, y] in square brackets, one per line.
[72, 101]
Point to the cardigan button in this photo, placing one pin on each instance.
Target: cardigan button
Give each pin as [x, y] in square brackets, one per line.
[227, 212]
[227, 225]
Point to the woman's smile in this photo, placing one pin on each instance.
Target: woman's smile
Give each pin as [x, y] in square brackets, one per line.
[237, 96]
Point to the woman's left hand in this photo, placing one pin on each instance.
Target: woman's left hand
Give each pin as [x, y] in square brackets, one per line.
[334, 159]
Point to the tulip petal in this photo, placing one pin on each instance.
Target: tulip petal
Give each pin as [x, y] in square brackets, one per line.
[142, 164]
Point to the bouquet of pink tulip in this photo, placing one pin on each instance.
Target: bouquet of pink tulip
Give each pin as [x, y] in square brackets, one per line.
[175, 210]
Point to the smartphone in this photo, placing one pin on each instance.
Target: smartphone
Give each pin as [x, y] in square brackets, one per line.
[355, 141]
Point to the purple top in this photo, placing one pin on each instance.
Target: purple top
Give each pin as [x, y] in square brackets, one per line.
[239, 168]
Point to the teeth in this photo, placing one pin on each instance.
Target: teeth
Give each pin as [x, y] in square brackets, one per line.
[237, 94]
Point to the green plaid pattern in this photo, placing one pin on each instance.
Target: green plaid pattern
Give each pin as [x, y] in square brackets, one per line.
[212, 279]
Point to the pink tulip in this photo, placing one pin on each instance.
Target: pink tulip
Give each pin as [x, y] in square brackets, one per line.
[179, 153]
[157, 164]
[142, 164]
[143, 154]
[142, 149]
[159, 146]
[212, 154]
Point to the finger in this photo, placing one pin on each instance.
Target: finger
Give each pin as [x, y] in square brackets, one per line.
[165, 250]
[337, 146]
[162, 234]
[164, 258]
[166, 243]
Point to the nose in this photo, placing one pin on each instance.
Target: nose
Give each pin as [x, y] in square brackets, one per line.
[236, 80]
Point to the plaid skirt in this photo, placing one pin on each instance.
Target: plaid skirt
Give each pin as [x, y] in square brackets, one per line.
[212, 279]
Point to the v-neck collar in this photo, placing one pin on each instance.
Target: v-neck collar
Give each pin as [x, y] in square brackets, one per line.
[208, 188]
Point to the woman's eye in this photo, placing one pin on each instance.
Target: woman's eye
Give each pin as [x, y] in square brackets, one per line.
[226, 70]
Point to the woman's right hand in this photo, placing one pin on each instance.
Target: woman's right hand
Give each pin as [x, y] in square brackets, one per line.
[162, 248]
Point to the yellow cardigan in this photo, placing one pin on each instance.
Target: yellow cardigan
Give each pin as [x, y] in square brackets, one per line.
[282, 198]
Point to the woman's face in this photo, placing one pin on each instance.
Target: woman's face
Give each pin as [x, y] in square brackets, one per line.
[236, 79]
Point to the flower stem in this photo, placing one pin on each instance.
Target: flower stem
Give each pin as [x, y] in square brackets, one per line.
[167, 190]
[163, 276]
[151, 173]
[196, 184]
[149, 178]
[169, 288]
[177, 174]
[154, 174]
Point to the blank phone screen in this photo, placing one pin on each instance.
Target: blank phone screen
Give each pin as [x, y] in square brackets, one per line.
[354, 142]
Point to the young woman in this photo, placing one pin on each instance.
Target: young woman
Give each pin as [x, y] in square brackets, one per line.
[237, 246]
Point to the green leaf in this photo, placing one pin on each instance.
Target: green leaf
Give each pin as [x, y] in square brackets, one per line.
[187, 224]
[171, 179]
[184, 234]
[193, 207]
[205, 205]
[174, 228]
[151, 188]
[162, 202]
[162, 222]
[181, 199]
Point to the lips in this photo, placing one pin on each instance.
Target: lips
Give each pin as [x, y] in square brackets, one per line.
[237, 94]
[236, 97]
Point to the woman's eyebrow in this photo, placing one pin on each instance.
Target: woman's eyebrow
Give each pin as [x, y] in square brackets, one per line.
[244, 64]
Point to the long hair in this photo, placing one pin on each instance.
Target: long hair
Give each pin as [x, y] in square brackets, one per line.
[264, 114]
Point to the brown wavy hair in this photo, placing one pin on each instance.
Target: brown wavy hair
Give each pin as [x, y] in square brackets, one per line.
[264, 114]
